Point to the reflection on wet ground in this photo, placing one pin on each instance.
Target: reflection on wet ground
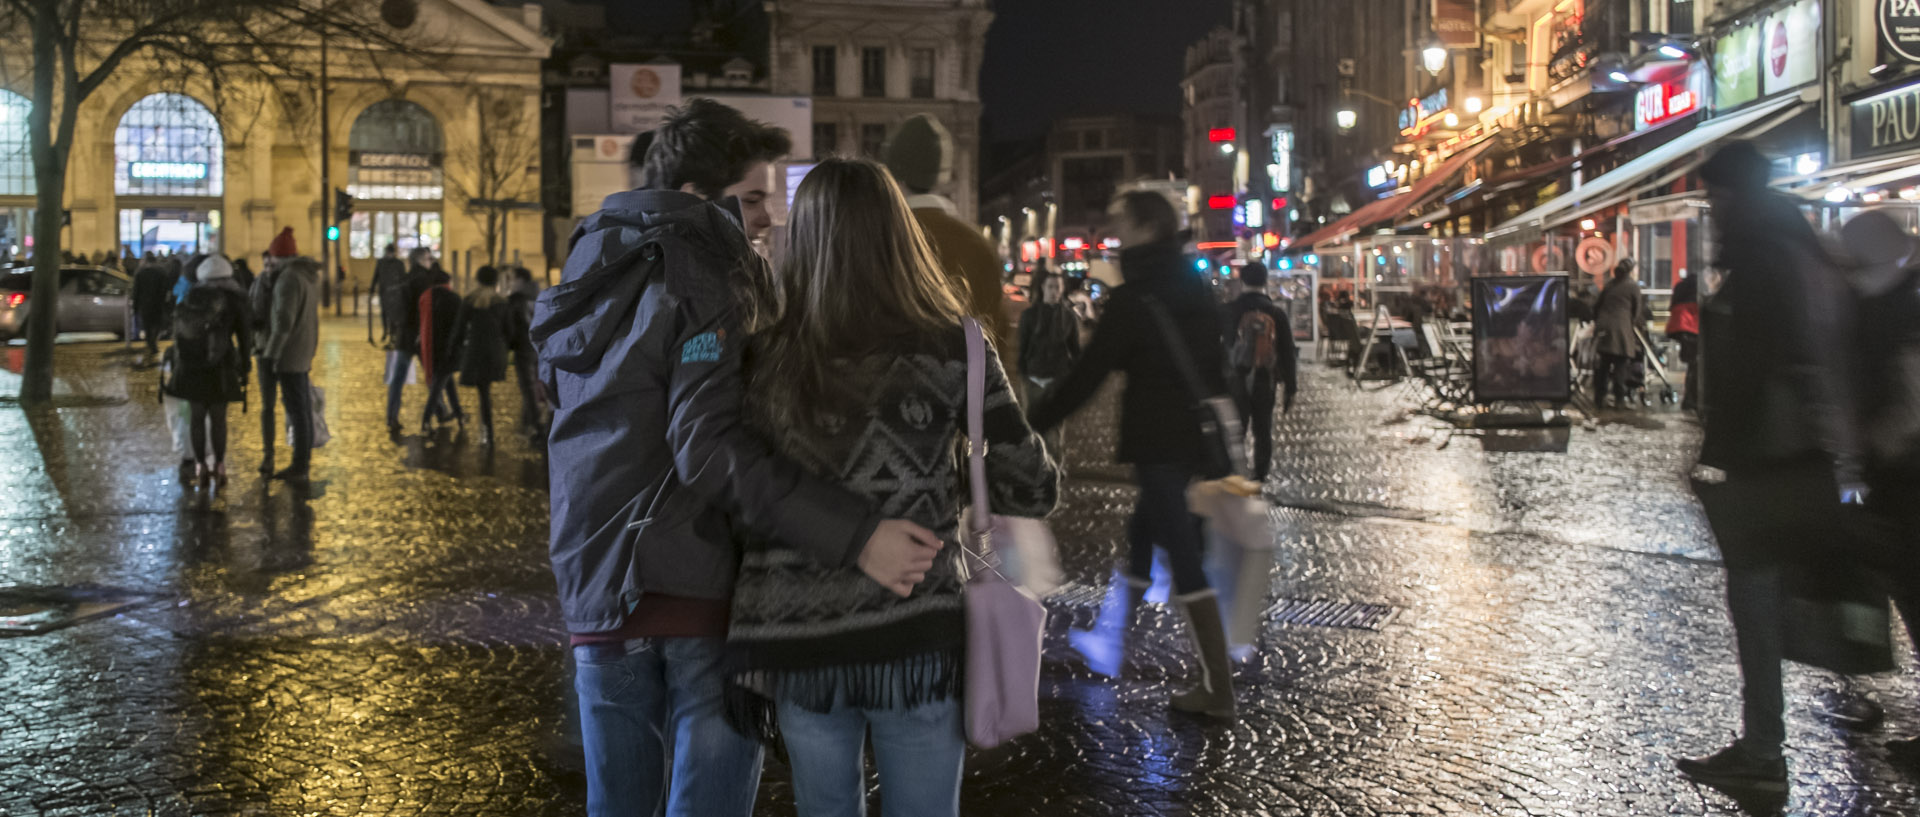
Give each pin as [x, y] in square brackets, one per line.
[386, 641]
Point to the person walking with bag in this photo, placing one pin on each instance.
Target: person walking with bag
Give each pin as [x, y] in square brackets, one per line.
[293, 335]
[1780, 456]
[1162, 328]
[858, 367]
[480, 342]
[212, 344]
[1264, 358]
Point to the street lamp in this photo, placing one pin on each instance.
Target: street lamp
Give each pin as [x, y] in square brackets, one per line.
[1434, 58]
[1346, 117]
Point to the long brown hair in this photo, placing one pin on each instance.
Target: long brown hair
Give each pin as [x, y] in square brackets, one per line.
[858, 273]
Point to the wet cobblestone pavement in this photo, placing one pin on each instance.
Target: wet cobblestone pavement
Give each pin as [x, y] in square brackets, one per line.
[386, 642]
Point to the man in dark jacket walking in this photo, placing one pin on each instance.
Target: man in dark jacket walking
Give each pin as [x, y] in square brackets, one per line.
[400, 290]
[1781, 454]
[1049, 345]
[1618, 317]
[653, 466]
[1254, 321]
[150, 294]
[1159, 434]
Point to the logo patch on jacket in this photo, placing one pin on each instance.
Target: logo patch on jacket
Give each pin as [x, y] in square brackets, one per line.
[703, 348]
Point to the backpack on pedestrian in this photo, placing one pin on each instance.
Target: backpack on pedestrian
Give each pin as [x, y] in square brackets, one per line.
[260, 299]
[1254, 341]
[200, 337]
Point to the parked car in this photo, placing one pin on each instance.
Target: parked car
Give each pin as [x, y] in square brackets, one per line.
[91, 300]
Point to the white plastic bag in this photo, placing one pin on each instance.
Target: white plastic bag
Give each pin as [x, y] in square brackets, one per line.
[1240, 551]
[321, 435]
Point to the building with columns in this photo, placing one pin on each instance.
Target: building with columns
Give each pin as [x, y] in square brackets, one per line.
[165, 164]
[869, 65]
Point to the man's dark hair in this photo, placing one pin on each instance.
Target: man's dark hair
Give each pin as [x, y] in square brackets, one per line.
[414, 255]
[708, 145]
[486, 276]
[1254, 274]
[1153, 211]
[522, 274]
[1738, 165]
[1624, 268]
[390, 250]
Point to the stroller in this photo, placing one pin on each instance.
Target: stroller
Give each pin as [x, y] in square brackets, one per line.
[1652, 361]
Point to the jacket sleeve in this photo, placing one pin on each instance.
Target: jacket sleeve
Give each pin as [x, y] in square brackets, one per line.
[734, 469]
[462, 323]
[242, 329]
[1111, 343]
[286, 312]
[1027, 323]
[1022, 479]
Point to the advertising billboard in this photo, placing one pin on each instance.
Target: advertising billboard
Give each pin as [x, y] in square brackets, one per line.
[1736, 68]
[1790, 47]
[639, 95]
[1520, 339]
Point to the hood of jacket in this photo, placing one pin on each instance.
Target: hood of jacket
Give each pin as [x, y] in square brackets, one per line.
[575, 321]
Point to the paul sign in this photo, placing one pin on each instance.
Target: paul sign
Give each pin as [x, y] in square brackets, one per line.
[1886, 122]
[1899, 23]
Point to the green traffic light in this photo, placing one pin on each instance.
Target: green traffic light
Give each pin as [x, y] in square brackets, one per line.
[333, 233]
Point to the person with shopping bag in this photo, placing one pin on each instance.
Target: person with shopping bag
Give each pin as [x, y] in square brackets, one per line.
[858, 366]
[1162, 329]
[208, 362]
[292, 293]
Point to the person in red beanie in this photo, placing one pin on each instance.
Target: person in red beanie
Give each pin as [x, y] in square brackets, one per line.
[278, 364]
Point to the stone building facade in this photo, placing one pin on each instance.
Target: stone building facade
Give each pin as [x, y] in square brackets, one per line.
[164, 164]
[869, 65]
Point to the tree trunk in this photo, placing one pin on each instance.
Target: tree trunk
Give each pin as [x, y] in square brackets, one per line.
[50, 175]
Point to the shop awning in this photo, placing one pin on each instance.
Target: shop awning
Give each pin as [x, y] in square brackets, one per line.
[1392, 207]
[1629, 179]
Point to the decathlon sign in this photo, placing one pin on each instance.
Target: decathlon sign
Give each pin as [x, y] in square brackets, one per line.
[191, 171]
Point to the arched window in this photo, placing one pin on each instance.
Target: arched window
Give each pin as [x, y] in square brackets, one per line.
[395, 176]
[167, 145]
[16, 163]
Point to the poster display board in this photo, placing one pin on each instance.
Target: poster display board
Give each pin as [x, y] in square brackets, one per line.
[1520, 339]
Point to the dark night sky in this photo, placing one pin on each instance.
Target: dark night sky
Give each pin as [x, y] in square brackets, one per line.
[1049, 58]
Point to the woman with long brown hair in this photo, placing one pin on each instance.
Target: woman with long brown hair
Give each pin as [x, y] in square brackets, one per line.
[858, 370]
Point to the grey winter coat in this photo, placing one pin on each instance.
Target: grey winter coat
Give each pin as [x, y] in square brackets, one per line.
[293, 331]
[652, 462]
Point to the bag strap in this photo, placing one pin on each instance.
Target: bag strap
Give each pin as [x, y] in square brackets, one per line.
[1177, 346]
[976, 420]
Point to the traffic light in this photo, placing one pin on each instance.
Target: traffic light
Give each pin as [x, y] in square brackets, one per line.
[342, 209]
[333, 232]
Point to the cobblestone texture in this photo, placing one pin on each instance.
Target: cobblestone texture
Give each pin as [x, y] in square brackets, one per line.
[387, 643]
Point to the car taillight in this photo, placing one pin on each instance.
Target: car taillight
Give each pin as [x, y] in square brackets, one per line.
[16, 299]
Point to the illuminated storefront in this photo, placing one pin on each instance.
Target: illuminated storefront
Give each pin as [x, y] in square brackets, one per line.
[16, 178]
[167, 176]
[398, 181]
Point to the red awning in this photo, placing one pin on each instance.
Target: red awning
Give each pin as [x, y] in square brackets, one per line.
[1392, 207]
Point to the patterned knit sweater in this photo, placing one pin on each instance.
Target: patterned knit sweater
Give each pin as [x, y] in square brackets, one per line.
[814, 635]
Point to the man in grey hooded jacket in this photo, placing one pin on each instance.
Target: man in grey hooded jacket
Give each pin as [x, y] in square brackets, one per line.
[652, 467]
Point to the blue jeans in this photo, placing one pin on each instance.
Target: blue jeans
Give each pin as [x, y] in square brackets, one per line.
[654, 726]
[396, 385]
[919, 752]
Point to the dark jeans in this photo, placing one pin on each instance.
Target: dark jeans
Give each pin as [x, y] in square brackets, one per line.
[1161, 517]
[268, 389]
[150, 330]
[443, 399]
[296, 395]
[1256, 408]
[202, 416]
[529, 404]
[1754, 601]
[1690, 355]
[486, 408]
[1610, 372]
[396, 385]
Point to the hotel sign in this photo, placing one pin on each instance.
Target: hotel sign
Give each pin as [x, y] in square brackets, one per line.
[1886, 122]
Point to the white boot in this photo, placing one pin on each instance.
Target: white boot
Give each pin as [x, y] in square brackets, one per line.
[1105, 645]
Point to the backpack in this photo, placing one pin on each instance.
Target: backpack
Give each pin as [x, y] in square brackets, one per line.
[1253, 341]
[260, 299]
[200, 336]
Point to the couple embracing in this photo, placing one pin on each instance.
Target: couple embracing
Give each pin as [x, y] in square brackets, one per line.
[755, 494]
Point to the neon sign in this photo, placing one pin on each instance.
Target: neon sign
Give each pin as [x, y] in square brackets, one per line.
[191, 171]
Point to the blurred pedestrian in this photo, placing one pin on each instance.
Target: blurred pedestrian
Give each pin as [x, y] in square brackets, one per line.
[279, 253]
[293, 335]
[479, 341]
[1159, 434]
[522, 293]
[439, 310]
[1619, 317]
[1049, 346]
[150, 305]
[390, 288]
[652, 292]
[211, 353]
[1683, 326]
[1780, 453]
[864, 365]
[400, 312]
[1261, 350]
[920, 157]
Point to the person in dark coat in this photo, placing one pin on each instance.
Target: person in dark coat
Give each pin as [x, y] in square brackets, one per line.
[439, 310]
[479, 342]
[403, 327]
[243, 274]
[209, 385]
[1683, 326]
[1159, 434]
[150, 293]
[1781, 451]
[522, 293]
[1619, 317]
[1049, 345]
[1260, 382]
